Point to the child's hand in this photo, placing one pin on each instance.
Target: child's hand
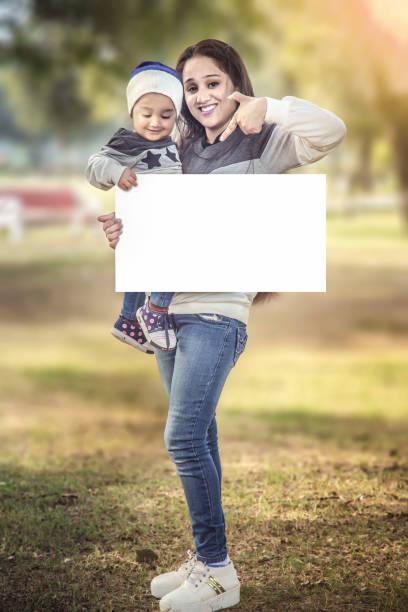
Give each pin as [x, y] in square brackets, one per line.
[112, 227]
[127, 180]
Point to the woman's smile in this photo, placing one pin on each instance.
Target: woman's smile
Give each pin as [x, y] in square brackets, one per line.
[208, 109]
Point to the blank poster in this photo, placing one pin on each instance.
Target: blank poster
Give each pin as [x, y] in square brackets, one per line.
[222, 232]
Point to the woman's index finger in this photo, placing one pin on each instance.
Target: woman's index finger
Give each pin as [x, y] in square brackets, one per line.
[229, 129]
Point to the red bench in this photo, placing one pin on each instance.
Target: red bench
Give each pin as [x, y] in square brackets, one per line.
[45, 205]
[31, 205]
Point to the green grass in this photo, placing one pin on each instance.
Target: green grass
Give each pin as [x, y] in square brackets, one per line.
[313, 432]
[355, 229]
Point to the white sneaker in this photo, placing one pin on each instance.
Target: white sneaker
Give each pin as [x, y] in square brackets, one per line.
[164, 583]
[206, 589]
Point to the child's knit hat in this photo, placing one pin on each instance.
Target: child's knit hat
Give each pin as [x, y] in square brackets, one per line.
[154, 77]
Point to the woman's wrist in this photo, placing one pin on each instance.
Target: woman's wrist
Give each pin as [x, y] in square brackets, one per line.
[276, 110]
[263, 104]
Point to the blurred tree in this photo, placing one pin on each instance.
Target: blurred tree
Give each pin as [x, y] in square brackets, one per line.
[67, 58]
[65, 62]
[377, 37]
[351, 56]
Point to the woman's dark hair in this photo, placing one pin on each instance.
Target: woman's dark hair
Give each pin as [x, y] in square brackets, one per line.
[262, 298]
[230, 62]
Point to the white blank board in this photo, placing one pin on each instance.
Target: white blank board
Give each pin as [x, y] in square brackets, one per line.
[222, 232]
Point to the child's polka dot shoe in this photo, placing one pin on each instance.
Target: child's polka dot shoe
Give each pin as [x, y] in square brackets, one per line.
[158, 326]
[130, 332]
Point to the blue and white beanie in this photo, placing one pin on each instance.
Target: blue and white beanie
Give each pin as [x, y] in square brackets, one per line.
[154, 77]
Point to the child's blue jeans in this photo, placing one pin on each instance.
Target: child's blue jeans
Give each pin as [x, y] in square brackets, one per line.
[133, 301]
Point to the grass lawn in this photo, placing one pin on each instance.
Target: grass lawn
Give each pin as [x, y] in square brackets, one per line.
[313, 428]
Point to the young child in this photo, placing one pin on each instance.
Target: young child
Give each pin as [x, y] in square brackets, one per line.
[154, 98]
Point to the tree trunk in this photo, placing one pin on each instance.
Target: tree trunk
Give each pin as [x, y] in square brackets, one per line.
[404, 206]
[366, 174]
[401, 162]
[394, 109]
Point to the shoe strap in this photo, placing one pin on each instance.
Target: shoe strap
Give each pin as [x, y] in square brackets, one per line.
[155, 308]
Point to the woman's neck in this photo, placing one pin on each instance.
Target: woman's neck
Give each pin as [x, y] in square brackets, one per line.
[212, 133]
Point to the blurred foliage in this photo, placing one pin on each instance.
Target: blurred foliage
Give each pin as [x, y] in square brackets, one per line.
[73, 54]
[345, 55]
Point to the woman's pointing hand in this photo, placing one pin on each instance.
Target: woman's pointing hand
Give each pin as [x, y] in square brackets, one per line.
[250, 115]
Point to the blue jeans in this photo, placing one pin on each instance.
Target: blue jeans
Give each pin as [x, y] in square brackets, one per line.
[133, 301]
[208, 346]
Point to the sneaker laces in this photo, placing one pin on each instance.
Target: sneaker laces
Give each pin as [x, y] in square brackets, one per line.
[165, 322]
[198, 572]
[168, 323]
[166, 326]
[190, 562]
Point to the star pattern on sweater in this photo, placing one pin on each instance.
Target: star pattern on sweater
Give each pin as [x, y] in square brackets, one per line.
[171, 155]
[152, 160]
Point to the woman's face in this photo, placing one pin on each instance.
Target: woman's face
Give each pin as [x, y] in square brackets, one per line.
[206, 88]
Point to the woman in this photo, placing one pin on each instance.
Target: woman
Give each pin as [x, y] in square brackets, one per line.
[226, 130]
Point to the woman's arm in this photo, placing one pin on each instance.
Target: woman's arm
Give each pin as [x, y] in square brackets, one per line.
[314, 130]
[303, 132]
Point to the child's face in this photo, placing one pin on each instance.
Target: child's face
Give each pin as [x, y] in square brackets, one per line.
[206, 88]
[153, 116]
